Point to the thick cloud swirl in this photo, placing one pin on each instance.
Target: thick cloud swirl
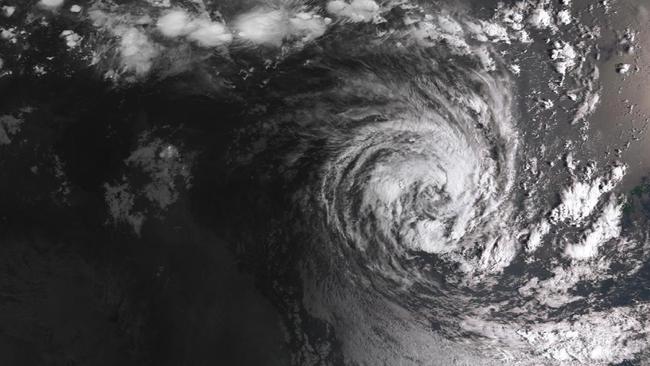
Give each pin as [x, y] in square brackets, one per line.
[411, 203]
[430, 175]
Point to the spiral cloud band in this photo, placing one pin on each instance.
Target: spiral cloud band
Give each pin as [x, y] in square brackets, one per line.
[432, 177]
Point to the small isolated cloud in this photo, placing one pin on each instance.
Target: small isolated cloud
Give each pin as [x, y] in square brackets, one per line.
[9, 126]
[72, 39]
[272, 27]
[204, 32]
[8, 11]
[355, 11]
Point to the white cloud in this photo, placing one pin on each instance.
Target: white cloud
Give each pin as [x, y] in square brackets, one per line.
[51, 4]
[564, 57]
[9, 34]
[540, 18]
[137, 51]
[204, 32]
[210, 34]
[595, 338]
[537, 235]
[606, 227]
[8, 11]
[72, 39]
[308, 26]
[564, 17]
[581, 199]
[262, 27]
[355, 11]
[160, 3]
[272, 27]
[174, 24]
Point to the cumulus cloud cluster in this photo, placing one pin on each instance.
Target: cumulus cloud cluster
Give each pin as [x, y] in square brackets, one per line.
[204, 32]
[140, 44]
[259, 26]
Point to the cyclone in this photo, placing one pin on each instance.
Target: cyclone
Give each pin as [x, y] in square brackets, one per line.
[405, 174]
[415, 193]
[430, 176]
